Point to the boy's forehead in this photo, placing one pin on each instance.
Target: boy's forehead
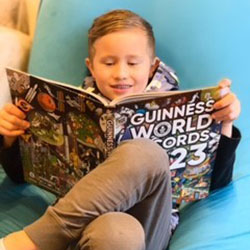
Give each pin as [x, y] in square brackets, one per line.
[127, 34]
[134, 41]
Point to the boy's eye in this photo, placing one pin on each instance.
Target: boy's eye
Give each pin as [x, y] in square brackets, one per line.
[109, 63]
[132, 63]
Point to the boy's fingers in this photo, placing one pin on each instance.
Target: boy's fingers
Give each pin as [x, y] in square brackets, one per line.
[21, 124]
[9, 133]
[219, 115]
[5, 124]
[228, 117]
[12, 122]
[13, 110]
[225, 101]
[225, 83]
[11, 114]
[224, 91]
[230, 113]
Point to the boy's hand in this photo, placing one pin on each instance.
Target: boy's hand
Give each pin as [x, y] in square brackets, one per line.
[12, 123]
[227, 109]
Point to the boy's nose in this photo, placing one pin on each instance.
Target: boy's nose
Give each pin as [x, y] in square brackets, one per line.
[121, 71]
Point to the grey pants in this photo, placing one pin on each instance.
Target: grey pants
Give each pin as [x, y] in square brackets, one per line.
[125, 203]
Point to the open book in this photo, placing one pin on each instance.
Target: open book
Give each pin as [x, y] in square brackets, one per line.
[73, 130]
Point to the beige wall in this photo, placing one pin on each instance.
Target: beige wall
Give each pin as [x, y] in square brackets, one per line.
[27, 16]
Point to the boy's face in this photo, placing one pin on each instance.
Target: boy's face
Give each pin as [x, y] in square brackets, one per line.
[122, 63]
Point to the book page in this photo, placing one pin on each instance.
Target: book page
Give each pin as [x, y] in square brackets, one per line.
[22, 74]
[148, 96]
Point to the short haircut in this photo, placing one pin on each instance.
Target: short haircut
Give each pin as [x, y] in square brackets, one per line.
[118, 20]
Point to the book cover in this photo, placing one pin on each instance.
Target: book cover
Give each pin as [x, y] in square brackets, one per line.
[182, 125]
[65, 139]
[72, 131]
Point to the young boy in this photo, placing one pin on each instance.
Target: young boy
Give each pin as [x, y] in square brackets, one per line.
[125, 203]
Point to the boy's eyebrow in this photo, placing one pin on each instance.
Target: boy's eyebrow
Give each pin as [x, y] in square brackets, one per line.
[115, 57]
[134, 57]
[108, 57]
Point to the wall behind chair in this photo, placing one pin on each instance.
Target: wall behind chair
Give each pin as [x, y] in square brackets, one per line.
[204, 41]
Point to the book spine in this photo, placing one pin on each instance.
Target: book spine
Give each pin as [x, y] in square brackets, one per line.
[110, 133]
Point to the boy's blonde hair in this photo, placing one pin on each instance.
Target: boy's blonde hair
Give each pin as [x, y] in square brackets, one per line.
[118, 20]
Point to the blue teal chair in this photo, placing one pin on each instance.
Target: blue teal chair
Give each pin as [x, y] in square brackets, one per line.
[204, 41]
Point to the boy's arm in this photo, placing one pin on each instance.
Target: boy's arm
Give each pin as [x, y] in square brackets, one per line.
[11, 161]
[224, 161]
[227, 110]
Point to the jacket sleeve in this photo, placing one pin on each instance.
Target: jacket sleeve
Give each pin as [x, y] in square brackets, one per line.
[224, 161]
[10, 160]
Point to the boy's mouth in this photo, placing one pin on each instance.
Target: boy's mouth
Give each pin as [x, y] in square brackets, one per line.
[121, 86]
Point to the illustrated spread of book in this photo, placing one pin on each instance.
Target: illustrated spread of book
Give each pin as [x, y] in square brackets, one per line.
[72, 131]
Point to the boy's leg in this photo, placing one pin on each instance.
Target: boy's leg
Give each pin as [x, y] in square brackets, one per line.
[154, 213]
[113, 231]
[116, 230]
[137, 171]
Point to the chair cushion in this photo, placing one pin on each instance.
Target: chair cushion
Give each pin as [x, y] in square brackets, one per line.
[218, 222]
[20, 204]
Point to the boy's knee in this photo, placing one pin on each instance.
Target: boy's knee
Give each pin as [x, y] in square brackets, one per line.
[150, 156]
[114, 230]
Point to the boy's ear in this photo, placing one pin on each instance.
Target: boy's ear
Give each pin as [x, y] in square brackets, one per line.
[154, 65]
[89, 65]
